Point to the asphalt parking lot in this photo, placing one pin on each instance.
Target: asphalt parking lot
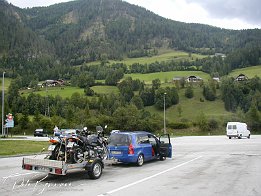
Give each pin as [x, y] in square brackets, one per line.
[210, 165]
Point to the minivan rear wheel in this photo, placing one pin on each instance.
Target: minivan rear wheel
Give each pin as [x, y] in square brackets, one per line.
[140, 160]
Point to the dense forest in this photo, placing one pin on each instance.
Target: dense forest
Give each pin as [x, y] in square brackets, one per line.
[62, 41]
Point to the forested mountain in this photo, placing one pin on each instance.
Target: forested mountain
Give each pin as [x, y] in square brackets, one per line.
[17, 39]
[47, 42]
[87, 30]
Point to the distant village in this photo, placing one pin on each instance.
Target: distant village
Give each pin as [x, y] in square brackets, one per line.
[195, 79]
[189, 79]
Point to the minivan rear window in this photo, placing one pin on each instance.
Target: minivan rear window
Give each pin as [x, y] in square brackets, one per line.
[119, 140]
[232, 127]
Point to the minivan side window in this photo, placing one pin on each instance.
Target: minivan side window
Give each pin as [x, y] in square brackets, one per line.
[142, 139]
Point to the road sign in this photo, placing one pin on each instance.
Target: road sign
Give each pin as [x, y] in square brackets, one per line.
[9, 121]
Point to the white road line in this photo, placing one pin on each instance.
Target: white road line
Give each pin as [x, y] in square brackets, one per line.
[147, 178]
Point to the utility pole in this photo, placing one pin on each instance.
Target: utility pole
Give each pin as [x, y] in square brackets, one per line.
[47, 109]
[3, 102]
[165, 113]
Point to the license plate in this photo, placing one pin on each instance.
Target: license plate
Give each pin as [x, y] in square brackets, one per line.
[70, 145]
[115, 152]
[51, 147]
[39, 168]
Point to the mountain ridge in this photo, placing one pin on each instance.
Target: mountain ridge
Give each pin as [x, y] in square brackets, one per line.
[88, 30]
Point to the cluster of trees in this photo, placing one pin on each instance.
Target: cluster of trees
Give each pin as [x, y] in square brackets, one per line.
[126, 109]
[243, 98]
[122, 111]
[241, 94]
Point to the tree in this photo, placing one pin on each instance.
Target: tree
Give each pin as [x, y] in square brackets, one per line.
[88, 91]
[156, 84]
[137, 101]
[126, 89]
[159, 98]
[147, 96]
[127, 118]
[179, 110]
[189, 92]
[209, 93]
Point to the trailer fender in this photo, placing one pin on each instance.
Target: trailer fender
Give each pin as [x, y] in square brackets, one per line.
[91, 162]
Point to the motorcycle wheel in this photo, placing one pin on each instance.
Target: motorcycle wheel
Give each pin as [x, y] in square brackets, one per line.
[104, 154]
[55, 152]
[77, 155]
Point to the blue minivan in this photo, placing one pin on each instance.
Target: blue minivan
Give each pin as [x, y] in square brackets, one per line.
[138, 147]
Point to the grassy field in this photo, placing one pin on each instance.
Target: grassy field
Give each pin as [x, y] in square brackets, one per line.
[164, 55]
[67, 91]
[105, 89]
[168, 56]
[167, 76]
[14, 147]
[250, 72]
[7, 83]
[192, 108]
[64, 92]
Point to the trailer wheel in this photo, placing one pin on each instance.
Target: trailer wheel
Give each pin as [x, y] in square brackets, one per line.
[229, 137]
[95, 171]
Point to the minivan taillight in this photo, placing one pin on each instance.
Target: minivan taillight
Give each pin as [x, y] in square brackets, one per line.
[131, 149]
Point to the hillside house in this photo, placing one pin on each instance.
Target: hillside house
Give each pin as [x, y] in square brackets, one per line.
[216, 79]
[241, 77]
[52, 83]
[194, 79]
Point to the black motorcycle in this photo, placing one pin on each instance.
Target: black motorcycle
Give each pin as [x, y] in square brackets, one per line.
[88, 146]
[57, 148]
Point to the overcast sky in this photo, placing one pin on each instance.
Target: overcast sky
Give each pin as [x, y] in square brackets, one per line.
[230, 14]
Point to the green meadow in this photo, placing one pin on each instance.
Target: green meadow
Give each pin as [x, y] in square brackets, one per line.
[67, 91]
[14, 147]
[164, 55]
[191, 109]
[64, 92]
[250, 72]
[166, 77]
[6, 83]
[105, 89]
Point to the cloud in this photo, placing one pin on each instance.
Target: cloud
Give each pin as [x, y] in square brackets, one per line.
[35, 3]
[247, 11]
[230, 14]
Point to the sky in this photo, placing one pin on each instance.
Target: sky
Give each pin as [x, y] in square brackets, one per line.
[229, 14]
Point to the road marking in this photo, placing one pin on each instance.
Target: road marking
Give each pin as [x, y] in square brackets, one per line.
[147, 178]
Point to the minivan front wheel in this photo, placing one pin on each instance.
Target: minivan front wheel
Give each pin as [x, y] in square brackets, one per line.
[140, 160]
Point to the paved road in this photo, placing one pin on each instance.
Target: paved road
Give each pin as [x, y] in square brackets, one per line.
[205, 166]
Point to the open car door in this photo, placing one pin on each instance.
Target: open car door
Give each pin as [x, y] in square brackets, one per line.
[165, 146]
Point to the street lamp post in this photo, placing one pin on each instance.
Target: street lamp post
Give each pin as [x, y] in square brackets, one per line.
[165, 113]
[3, 102]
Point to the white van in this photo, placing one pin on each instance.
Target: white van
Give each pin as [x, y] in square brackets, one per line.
[237, 129]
